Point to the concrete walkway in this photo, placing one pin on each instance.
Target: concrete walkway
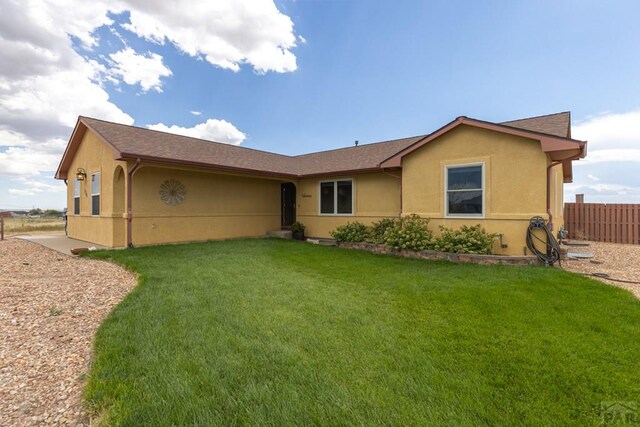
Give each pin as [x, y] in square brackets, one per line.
[59, 242]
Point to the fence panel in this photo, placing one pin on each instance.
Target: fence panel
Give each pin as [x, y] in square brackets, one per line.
[599, 222]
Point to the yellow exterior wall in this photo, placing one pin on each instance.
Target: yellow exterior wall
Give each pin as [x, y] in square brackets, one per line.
[556, 197]
[514, 186]
[376, 196]
[109, 227]
[224, 205]
[216, 206]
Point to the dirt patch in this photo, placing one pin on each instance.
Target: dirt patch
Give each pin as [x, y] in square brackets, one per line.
[50, 308]
[20, 225]
[616, 260]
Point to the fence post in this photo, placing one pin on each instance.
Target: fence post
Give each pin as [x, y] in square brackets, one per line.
[579, 198]
[1, 228]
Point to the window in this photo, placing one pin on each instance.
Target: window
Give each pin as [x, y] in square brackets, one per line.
[464, 194]
[95, 194]
[76, 197]
[336, 197]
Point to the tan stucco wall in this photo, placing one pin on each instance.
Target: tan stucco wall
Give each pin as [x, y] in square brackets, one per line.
[216, 206]
[556, 197]
[514, 187]
[223, 205]
[376, 196]
[108, 228]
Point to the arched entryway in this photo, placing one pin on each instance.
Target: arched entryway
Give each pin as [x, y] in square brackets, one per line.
[288, 204]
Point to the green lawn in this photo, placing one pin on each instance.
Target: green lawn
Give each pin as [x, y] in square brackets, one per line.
[270, 332]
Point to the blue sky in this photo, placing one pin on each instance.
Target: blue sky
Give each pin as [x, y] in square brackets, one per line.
[303, 76]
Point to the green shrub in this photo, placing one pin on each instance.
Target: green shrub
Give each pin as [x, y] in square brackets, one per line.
[465, 240]
[298, 226]
[350, 232]
[410, 233]
[379, 230]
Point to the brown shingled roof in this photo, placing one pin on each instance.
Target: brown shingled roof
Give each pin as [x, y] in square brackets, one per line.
[558, 124]
[362, 157]
[131, 143]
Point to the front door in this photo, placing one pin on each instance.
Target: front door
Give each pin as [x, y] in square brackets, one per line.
[288, 203]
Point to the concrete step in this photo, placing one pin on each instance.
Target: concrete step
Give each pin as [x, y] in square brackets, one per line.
[322, 242]
[281, 234]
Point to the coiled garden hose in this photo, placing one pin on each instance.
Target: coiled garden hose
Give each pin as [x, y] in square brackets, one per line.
[551, 245]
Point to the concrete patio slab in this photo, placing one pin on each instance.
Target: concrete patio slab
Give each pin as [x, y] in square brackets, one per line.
[58, 242]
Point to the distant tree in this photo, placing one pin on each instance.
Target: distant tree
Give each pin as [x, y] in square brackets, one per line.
[52, 212]
[35, 212]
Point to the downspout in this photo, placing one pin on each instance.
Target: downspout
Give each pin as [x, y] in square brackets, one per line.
[556, 163]
[400, 178]
[133, 170]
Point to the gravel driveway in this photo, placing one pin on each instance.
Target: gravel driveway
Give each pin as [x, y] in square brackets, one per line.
[50, 307]
[616, 260]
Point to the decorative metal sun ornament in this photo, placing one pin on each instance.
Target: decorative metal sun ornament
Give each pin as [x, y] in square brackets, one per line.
[172, 192]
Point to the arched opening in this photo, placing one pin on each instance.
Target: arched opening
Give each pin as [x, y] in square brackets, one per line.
[118, 191]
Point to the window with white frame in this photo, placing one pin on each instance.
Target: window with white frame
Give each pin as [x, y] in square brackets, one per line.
[95, 193]
[465, 190]
[76, 197]
[336, 197]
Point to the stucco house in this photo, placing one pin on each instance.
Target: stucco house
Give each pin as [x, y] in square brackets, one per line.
[135, 186]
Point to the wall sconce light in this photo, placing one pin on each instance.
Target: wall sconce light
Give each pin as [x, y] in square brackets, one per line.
[81, 174]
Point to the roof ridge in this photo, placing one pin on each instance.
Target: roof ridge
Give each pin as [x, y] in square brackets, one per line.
[527, 130]
[356, 146]
[248, 148]
[536, 117]
[189, 137]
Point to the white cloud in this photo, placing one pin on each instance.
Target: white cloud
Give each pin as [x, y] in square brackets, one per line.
[196, 113]
[608, 172]
[33, 187]
[302, 39]
[225, 33]
[27, 161]
[609, 156]
[610, 131]
[24, 191]
[212, 129]
[603, 193]
[612, 137]
[11, 139]
[45, 83]
[144, 69]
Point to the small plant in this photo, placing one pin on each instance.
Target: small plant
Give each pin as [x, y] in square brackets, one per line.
[54, 310]
[410, 233]
[379, 230]
[297, 230]
[465, 240]
[298, 226]
[351, 232]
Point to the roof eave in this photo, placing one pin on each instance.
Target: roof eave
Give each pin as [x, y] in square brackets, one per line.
[341, 172]
[549, 143]
[154, 159]
[70, 150]
[74, 143]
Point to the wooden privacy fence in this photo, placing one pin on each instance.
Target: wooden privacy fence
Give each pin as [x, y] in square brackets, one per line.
[599, 222]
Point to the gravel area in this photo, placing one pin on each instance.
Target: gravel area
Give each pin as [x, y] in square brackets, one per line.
[616, 260]
[50, 307]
